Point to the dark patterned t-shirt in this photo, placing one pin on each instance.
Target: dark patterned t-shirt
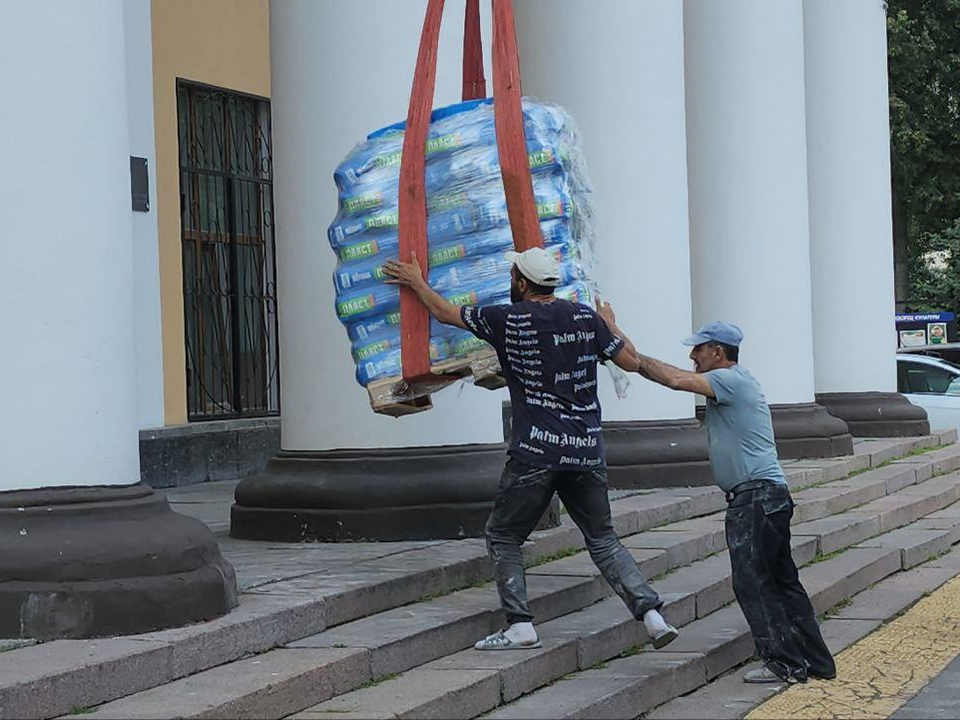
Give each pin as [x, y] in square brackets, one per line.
[549, 354]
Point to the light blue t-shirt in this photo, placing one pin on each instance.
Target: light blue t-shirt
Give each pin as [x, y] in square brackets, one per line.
[739, 430]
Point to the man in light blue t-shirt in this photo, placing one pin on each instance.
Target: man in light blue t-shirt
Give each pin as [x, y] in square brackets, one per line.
[743, 456]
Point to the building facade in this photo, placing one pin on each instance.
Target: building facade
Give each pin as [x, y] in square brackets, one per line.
[740, 158]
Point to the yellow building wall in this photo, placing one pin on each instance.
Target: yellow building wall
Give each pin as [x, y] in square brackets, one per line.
[218, 42]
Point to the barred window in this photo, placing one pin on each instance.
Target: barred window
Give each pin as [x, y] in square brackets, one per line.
[229, 254]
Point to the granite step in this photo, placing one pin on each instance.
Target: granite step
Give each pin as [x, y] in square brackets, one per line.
[52, 678]
[628, 686]
[404, 638]
[728, 697]
[49, 679]
[718, 640]
[709, 647]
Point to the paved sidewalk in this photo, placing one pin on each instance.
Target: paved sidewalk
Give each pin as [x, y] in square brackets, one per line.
[940, 700]
[876, 675]
[208, 502]
[261, 563]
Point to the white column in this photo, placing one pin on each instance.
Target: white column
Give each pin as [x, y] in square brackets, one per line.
[339, 71]
[748, 184]
[67, 373]
[848, 164]
[617, 66]
[144, 239]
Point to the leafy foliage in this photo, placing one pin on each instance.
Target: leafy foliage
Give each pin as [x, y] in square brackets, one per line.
[924, 65]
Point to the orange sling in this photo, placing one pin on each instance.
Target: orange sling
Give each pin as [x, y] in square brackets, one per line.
[511, 145]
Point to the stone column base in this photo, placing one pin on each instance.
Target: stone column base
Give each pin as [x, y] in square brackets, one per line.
[877, 414]
[807, 430]
[657, 453]
[86, 562]
[378, 494]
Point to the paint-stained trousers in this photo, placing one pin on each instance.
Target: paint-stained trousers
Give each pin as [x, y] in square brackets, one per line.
[524, 495]
[767, 585]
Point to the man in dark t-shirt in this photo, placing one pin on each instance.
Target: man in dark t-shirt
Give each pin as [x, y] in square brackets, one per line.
[548, 349]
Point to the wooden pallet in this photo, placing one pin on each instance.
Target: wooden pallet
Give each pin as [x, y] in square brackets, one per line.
[392, 396]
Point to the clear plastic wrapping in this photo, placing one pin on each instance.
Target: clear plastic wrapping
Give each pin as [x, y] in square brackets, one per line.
[468, 229]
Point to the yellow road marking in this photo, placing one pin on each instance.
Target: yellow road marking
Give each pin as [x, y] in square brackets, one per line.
[884, 670]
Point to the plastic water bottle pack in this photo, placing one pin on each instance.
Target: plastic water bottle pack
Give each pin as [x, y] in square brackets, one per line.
[468, 231]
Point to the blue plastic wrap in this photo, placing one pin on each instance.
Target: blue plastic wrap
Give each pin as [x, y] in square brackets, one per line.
[468, 230]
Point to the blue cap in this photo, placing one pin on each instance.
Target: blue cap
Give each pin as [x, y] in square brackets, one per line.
[716, 331]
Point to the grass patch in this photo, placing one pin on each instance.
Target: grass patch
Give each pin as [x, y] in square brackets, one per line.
[820, 557]
[921, 451]
[10, 646]
[443, 593]
[630, 652]
[666, 574]
[374, 683]
[912, 453]
[846, 602]
[938, 555]
[559, 555]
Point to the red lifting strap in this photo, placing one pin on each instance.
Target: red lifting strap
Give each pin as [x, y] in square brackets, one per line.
[474, 84]
[511, 143]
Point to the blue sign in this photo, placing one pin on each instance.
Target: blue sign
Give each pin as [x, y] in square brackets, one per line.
[926, 317]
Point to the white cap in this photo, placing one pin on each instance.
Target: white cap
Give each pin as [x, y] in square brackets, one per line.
[537, 265]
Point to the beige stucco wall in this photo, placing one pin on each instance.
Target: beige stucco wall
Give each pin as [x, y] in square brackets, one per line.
[219, 42]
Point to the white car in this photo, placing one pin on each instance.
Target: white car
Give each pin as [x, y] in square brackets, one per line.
[933, 384]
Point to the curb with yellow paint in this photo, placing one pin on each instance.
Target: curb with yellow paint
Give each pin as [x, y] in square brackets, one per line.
[884, 670]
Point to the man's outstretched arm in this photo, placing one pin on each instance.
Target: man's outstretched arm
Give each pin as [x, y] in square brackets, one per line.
[659, 372]
[673, 377]
[411, 275]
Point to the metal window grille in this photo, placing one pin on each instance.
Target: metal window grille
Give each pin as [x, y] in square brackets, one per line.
[229, 253]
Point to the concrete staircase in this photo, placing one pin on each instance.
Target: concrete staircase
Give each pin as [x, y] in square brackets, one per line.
[393, 641]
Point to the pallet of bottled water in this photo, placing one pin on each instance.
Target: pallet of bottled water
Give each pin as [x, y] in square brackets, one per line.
[468, 234]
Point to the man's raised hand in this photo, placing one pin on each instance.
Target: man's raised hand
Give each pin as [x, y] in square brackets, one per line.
[402, 273]
[605, 311]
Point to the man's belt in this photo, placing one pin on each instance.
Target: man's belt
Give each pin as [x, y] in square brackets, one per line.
[744, 487]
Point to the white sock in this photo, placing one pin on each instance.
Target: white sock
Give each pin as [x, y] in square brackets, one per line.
[654, 622]
[521, 632]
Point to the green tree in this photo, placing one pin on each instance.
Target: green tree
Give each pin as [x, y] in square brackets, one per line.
[924, 65]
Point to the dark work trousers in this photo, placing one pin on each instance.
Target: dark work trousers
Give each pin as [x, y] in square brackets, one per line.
[765, 581]
[524, 494]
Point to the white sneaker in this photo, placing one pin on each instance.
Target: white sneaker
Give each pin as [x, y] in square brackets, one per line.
[665, 637]
[499, 641]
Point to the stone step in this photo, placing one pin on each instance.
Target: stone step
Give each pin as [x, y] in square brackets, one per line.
[51, 678]
[404, 638]
[920, 540]
[629, 686]
[573, 641]
[272, 684]
[711, 576]
[729, 697]
[913, 503]
[400, 639]
[717, 641]
[720, 641]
